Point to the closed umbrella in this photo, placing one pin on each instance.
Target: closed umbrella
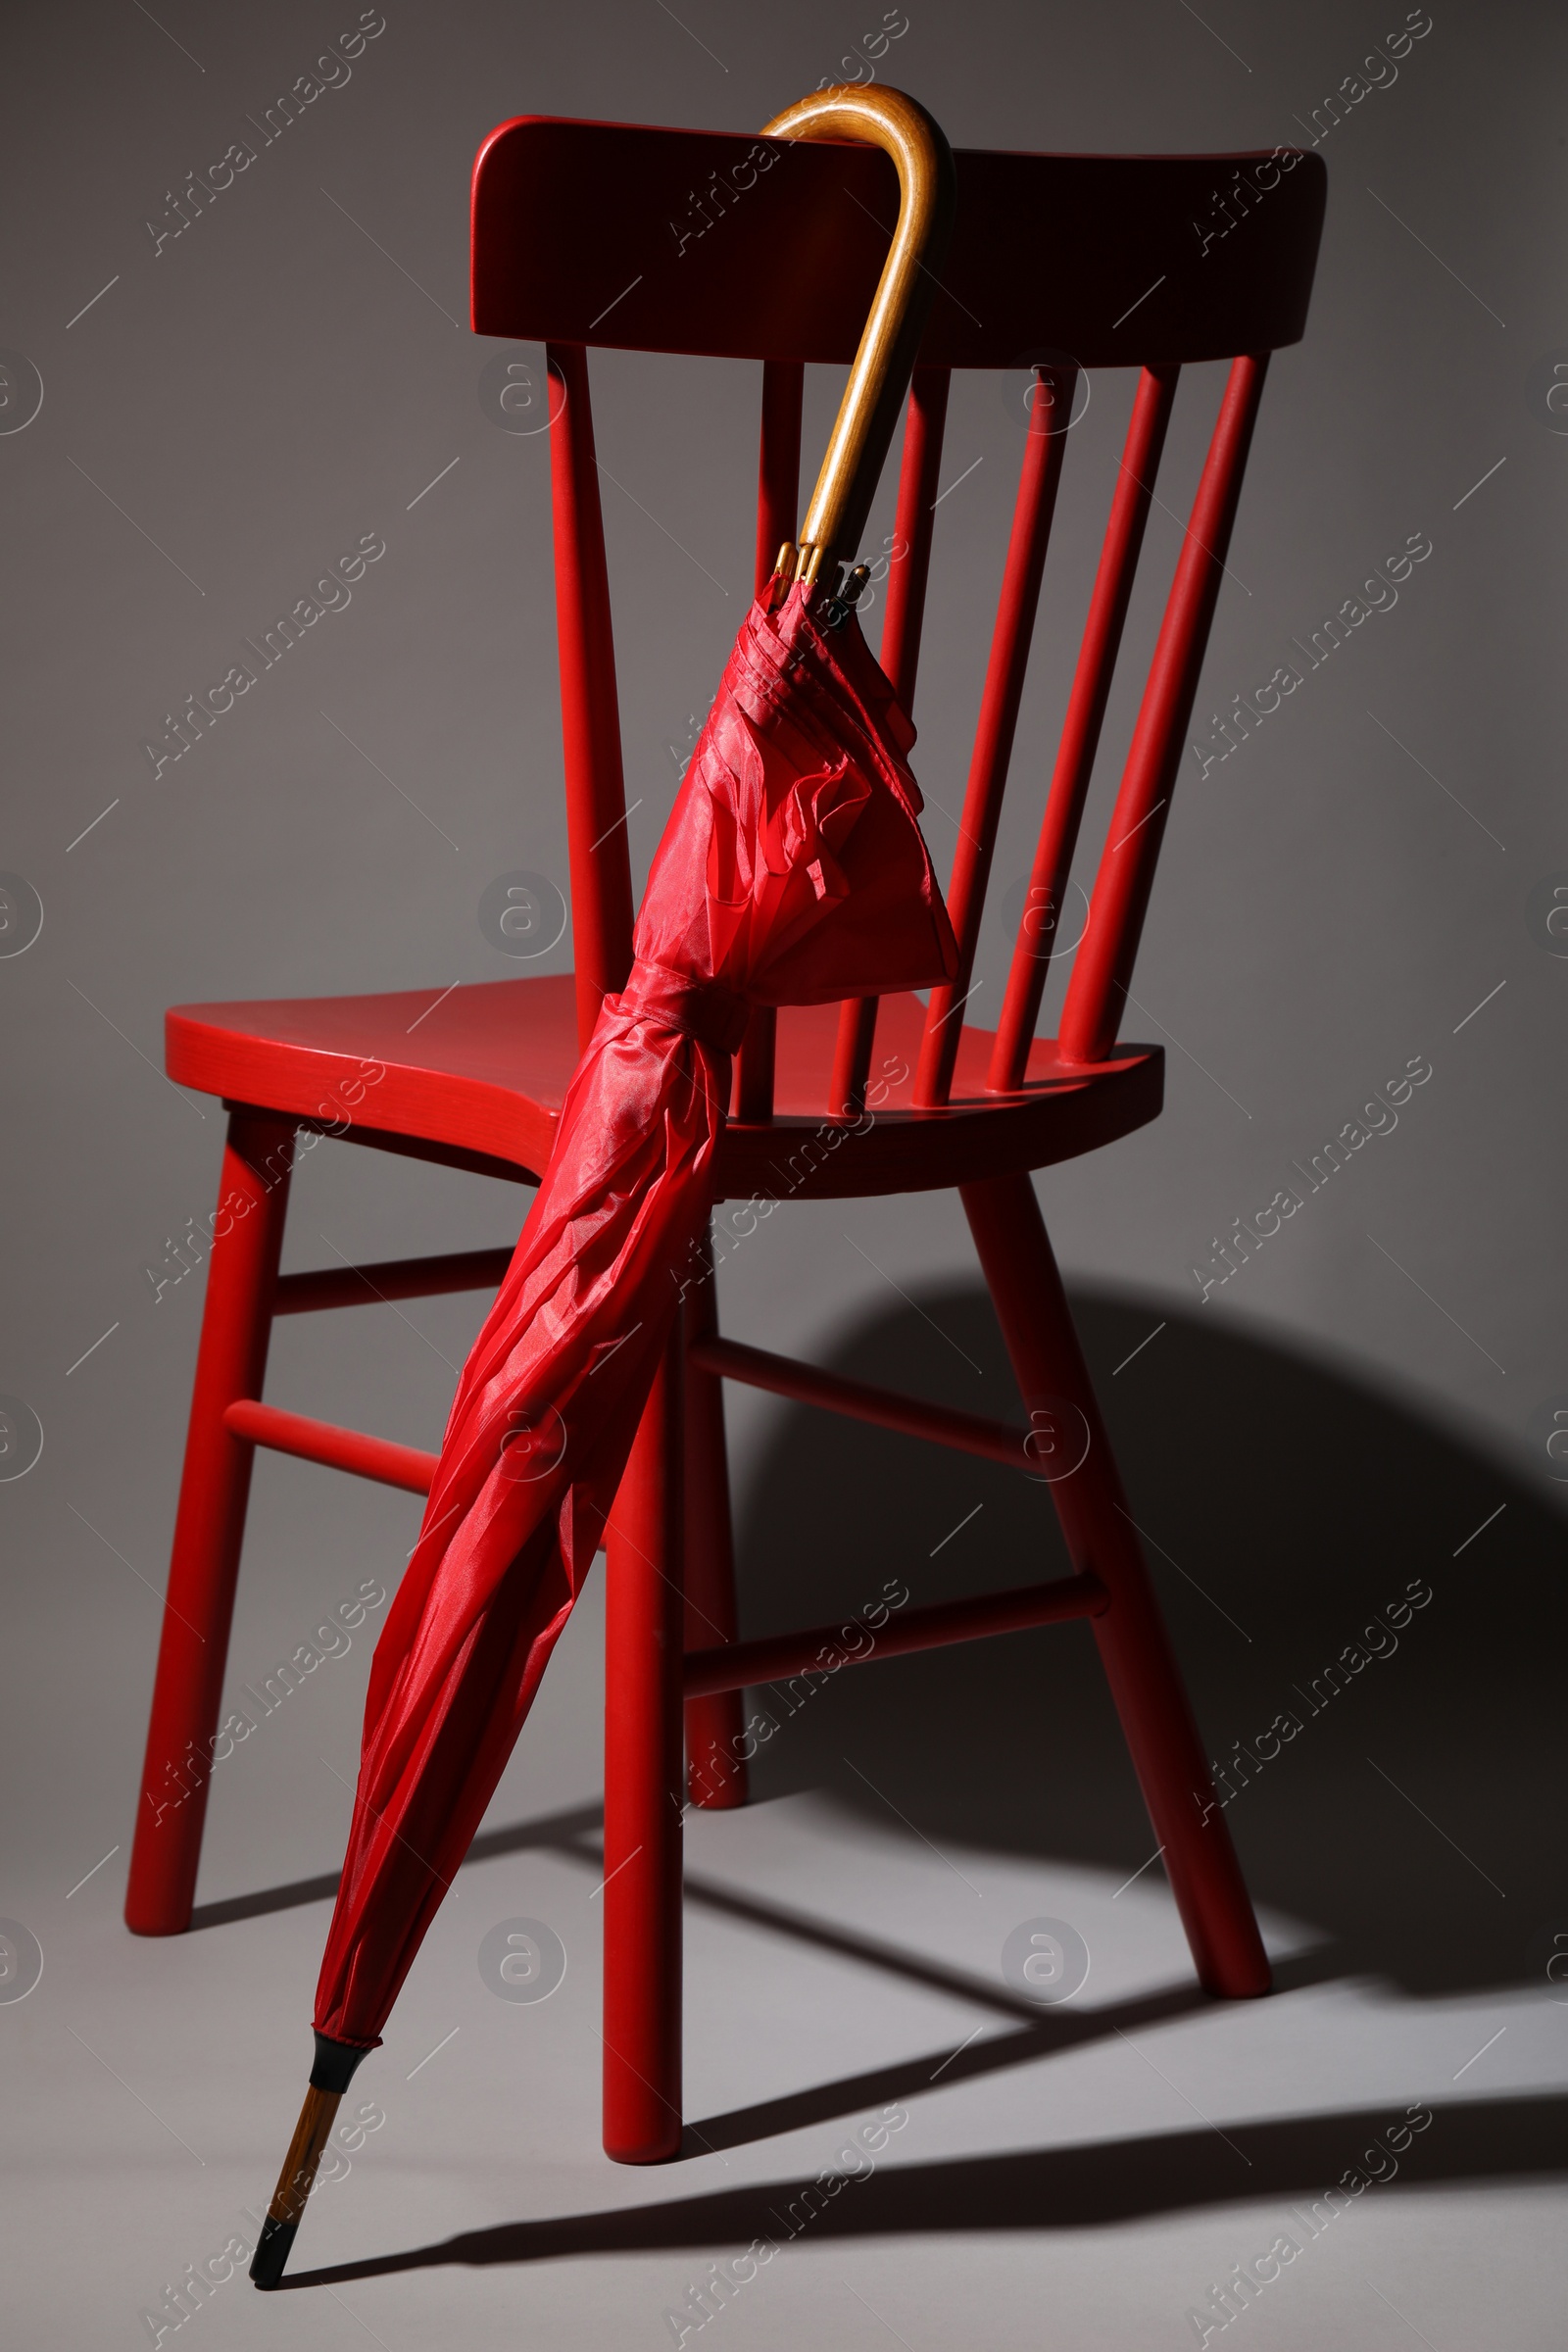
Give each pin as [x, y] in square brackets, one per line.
[792, 871]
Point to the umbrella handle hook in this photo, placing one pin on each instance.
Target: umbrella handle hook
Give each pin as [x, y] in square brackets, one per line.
[885, 361]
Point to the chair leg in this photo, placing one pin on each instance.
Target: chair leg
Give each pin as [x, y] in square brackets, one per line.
[715, 1766]
[1156, 1716]
[642, 1882]
[210, 1525]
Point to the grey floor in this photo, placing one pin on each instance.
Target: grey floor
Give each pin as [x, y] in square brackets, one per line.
[1003, 2172]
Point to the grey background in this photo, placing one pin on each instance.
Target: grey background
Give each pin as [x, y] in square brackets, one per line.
[228, 416]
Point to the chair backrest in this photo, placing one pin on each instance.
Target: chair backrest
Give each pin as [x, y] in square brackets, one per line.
[634, 238]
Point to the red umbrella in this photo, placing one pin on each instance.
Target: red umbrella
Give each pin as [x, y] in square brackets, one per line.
[792, 871]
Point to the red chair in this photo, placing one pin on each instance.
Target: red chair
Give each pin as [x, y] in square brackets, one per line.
[776, 261]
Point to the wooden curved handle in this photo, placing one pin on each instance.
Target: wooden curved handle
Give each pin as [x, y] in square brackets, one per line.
[880, 377]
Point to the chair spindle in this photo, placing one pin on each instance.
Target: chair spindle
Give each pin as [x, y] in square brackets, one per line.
[1102, 970]
[1080, 734]
[1039, 478]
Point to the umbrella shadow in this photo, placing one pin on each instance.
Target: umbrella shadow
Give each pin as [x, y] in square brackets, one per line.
[1288, 1507]
[1098, 2184]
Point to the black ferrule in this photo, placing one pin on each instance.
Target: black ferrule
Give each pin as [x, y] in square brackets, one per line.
[272, 2250]
[335, 2062]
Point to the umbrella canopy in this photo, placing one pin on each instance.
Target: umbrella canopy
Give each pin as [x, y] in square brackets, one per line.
[792, 871]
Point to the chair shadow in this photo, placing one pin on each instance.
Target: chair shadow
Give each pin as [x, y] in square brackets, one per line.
[1285, 1501]
[1287, 1506]
[1090, 2184]
[1043, 2035]
[552, 1828]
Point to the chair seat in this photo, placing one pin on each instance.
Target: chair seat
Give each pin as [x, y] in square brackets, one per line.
[479, 1076]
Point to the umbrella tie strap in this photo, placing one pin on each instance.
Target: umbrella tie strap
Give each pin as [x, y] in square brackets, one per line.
[716, 1015]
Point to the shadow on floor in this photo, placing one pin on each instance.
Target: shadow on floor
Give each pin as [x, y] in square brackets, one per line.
[1294, 2158]
[562, 1829]
[1287, 1506]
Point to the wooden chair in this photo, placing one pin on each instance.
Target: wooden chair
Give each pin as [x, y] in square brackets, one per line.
[703, 243]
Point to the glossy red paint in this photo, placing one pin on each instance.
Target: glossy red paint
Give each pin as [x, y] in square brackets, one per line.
[1049, 251]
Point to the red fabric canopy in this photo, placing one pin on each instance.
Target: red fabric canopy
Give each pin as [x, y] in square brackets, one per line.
[792, 871]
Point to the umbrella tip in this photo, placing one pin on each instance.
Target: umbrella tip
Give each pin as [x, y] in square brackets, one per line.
[331, 2076]
[272, 2250]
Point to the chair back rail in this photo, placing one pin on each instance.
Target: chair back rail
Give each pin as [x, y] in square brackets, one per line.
[623, 237]
[626, 237]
